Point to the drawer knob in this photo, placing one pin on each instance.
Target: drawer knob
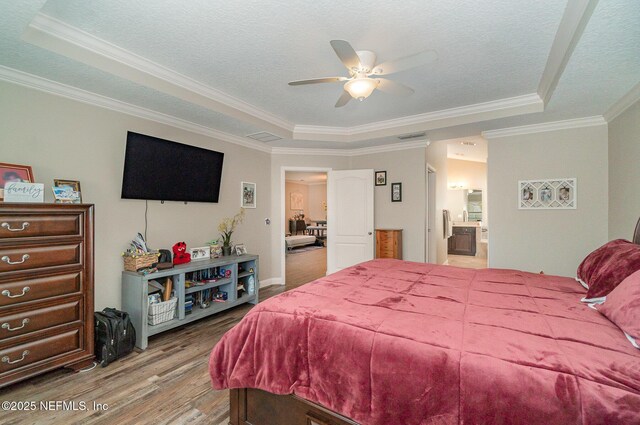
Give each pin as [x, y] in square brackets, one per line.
[5, 359]
[8, 327]
[7, 293]
[7, 260]
[7, 226]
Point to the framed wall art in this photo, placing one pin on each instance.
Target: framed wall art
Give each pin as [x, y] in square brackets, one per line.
[548, 194]
[69, 191]
[381, 178]
[297, 201]
[248, 195]
[396, 192]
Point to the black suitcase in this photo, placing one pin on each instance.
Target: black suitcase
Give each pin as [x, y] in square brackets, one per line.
[115, 335]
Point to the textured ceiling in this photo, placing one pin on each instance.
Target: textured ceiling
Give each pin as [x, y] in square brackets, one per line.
[487, 51]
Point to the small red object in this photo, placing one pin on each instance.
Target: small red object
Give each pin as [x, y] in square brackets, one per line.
[180, 254]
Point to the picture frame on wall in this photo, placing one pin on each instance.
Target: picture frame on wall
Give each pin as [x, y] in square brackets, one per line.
[14, 173]
[396, 192]
[297, 201]
[548, 194]
[70, 190]
[248, 193]
[381, 178]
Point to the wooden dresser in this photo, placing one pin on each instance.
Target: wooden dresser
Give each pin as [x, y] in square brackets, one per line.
[46, 288]
[389, 243]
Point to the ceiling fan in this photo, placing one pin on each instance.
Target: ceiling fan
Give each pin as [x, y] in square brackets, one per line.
[361, 65]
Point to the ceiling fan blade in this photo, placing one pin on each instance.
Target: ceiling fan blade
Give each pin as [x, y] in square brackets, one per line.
[392, 87]
[347, 55]
[344, 99]
[317, 81]
[408, 62]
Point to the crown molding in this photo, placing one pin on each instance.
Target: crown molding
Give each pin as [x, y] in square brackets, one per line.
[576, 16]
[55, 35]
[73, 93]
[60, 37]
[623, 103]
[485, 111]
[351, 152]
[547, 126]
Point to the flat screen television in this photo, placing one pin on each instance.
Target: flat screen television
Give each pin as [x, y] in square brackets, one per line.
[158, 169]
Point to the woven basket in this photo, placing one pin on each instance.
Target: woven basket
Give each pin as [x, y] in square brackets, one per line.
[162, 312]
[133, 263]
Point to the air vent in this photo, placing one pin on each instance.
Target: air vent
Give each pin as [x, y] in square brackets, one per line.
[263, 136]
[468, 143]
[412, 136]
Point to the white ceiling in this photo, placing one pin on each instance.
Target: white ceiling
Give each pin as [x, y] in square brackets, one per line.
[468, 149]
[225, 65]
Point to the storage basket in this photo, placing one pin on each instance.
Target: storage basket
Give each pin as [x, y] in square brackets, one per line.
[133, 263]
[162, 312]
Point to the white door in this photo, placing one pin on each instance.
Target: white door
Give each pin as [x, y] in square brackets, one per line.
[349, 218]
[431, 217]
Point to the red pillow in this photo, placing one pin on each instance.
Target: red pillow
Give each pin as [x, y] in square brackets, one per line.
[607, 266]
[622, 307]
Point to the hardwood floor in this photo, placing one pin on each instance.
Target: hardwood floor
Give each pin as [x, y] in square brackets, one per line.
[168, 383]
[304, 267]
[467, 261]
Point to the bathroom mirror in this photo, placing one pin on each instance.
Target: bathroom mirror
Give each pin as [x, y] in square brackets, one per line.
[474, 205]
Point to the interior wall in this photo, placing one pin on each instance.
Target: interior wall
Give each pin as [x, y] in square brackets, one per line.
[62, 138]
[317, 198]
[624, 173]
[409, 168]
[473, 175]
[302, 189]
[436, 156]
[553, 241]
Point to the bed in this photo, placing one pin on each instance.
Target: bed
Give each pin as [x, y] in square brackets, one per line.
[299, 240]
[396, 342]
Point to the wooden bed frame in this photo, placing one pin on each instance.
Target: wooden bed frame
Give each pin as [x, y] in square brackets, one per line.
[256, 407]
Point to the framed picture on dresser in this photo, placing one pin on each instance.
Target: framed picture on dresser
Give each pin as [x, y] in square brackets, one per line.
[14, 173]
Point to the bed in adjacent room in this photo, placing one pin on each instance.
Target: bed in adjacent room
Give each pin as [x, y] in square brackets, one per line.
[396, 342]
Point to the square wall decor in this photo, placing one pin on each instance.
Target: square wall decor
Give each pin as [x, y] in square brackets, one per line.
[548, 194]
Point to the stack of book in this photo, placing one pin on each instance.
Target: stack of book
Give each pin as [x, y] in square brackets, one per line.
[188, 304]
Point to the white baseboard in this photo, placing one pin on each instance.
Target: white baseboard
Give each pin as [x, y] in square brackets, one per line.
[273, 281]
[446, 263]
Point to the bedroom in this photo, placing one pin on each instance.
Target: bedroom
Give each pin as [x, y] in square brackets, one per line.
[66, 106]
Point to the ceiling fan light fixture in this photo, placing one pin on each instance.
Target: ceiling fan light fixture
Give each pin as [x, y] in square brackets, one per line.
[361, 88]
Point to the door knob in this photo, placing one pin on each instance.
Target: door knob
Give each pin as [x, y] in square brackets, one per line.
[370, 233]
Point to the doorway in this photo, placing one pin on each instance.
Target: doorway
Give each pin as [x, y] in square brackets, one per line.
[304, 221]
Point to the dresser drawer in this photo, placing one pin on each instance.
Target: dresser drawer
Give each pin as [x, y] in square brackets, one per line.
[21, 225]
[25, 290]
[23, 322]
[18, 356]
[34, 257]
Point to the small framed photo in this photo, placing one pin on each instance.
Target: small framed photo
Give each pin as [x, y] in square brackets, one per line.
[381, 178]
[248, 195]
[70, 189]
[14, 173]
[201, 253]
[240, 249]
[396, 192]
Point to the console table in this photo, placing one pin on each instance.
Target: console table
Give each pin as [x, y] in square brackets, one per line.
[135, 292]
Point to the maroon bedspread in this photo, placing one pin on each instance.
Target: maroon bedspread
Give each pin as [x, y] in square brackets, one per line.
[395, 342]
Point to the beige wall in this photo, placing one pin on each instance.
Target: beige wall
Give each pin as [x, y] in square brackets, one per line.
[474, 175]
[61, 138]
[553, 241]
[407, 167]
[624, 173]
[317, 196]
[436, 155]
[302, 189]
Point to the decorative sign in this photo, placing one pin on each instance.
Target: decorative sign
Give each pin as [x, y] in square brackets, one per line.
[23, 192]
[550, 194]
